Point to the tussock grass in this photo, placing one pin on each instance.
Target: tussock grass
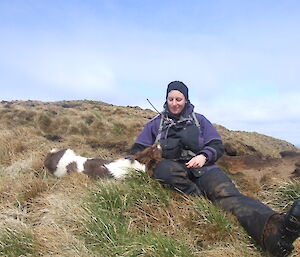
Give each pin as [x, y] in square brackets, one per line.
[10, 146]
[233, 249]
[221, 226]
[44, 122]
[242, 142]
[19, 116]
[111, 230]
[21, 181]
[20, 143]
[281, 194]
[33, 189]
[248, 185]
[57, 216]
[52, 240]
[16, 243]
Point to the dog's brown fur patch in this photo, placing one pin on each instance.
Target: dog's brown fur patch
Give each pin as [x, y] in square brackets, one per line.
[72, 167]
[52, 160]
[94, 168]
[151, 156]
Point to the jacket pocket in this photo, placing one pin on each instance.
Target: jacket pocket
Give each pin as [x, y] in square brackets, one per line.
[198, 172]
[171, 148]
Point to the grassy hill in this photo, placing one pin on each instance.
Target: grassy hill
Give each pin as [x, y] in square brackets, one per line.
[41, 215]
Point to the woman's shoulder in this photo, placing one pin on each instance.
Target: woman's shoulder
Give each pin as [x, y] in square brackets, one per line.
[155, 118]
[201, 118]
[199, 115]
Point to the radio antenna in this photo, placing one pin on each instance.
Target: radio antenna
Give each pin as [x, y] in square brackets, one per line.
[153, 106]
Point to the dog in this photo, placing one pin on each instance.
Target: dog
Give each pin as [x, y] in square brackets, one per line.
[62, 162]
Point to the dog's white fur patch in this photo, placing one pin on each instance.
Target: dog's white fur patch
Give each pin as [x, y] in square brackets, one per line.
[119, 168]
[68, 157]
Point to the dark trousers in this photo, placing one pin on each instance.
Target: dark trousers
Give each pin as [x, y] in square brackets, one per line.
[217, 187]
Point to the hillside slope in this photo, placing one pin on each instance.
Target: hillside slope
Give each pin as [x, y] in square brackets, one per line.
[99, 124]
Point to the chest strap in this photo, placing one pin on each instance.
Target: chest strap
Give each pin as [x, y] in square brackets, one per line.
[163, 118]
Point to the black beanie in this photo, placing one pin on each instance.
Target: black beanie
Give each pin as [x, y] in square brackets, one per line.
[181, 87]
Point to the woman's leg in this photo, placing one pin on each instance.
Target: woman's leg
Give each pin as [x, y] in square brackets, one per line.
[268, 228]
[172, 173]
[251, 213]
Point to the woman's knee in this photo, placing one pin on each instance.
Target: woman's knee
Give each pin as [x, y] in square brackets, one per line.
[166, 170]
[175, 175]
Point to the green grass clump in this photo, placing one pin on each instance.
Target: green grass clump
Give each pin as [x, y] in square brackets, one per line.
[221, 226]
[211, 214]
[143, 187]
[16, 243]
[284, 194]
[110, 230]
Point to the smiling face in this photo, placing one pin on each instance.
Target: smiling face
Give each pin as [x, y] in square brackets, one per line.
[176, 101]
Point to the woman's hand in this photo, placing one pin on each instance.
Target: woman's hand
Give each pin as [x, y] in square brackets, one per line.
[196, 162]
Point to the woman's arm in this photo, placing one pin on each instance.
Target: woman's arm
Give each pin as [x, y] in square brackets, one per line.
[213, 150]
[213, 147]
[209, 155]
[136, 147]
[147, 136]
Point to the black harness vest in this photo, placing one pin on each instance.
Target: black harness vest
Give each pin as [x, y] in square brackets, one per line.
[179, 139]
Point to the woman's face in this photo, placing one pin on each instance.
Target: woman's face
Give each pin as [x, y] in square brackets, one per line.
[176, 101]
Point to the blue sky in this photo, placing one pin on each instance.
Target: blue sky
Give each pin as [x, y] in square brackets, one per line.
[240, 59]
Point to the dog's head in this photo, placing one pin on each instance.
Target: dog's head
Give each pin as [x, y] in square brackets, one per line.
[151, 156]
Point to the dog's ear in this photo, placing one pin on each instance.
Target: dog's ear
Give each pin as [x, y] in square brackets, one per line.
[135, 156]
[139, 156]
[149, 153]
[155, 151]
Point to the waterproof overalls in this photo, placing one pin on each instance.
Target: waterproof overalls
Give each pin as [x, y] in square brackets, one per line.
[181, 139]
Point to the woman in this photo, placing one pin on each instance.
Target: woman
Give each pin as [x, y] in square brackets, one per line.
[191, 146]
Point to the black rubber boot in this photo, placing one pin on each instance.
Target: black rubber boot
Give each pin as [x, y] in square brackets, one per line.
[281, 231]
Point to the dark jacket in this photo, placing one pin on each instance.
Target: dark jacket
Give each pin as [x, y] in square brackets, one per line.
[204, 140]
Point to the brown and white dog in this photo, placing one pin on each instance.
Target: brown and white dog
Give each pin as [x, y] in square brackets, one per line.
[62, 162]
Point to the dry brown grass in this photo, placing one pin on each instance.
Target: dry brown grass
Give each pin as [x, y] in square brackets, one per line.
[249, 185]
[11, 145]
[57, 216]
[251, 143]
[55, 241]
[179, 220]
